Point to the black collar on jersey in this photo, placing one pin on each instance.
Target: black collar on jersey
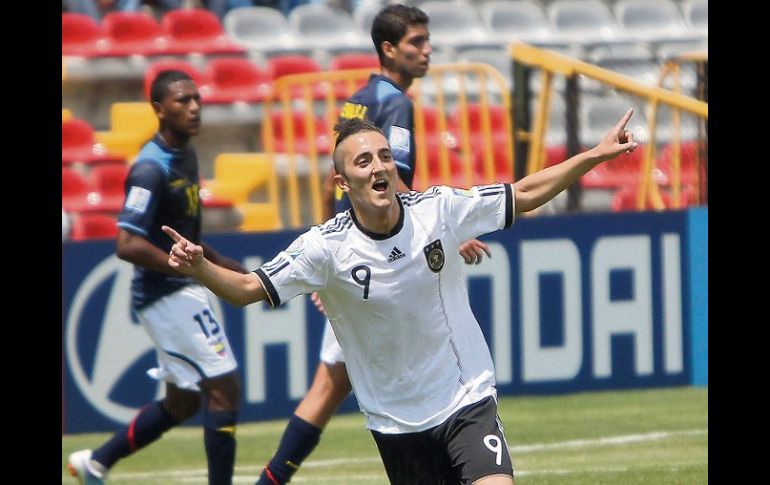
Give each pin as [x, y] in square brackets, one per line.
[376, 235]
[158, 140]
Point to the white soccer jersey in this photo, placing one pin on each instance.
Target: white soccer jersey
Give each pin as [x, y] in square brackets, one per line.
[398, 303]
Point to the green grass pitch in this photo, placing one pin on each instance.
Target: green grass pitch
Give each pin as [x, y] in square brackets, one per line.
[631, 437]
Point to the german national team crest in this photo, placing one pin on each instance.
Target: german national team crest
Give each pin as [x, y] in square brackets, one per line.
[434, 253]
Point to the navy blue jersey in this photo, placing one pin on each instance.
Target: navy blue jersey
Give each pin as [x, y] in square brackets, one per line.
[161, 189]
[386, 105]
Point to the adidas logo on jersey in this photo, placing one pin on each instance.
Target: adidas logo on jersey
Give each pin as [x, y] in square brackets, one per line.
[395, 254]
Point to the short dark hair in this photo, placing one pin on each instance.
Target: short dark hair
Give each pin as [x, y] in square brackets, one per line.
[159, 87]
[346, 127]
[390, 24]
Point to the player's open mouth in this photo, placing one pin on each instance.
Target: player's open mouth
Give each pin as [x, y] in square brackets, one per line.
[380, 185]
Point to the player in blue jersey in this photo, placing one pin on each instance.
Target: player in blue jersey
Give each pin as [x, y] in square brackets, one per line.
[401, 37]
[417, 359]
[194, 356]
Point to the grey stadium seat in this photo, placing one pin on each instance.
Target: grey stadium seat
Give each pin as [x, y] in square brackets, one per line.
[586, 22]
[263, 30]
[652, 20]
[330, 29]
[696, 14]
[637, 62]
[511, 20]
[455, 24]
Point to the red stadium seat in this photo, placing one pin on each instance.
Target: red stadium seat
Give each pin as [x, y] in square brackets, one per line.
[133, 33]
[322, 141]
[688, 166]
[78, 145]
[75, 191]
[342, 89]
[109, 181]
[197, 30]
[93, 226]
[503, 163]
[625, 169]
[497, 116]
[235, 79]
[81, 36]
[457, 179]
[156, 67]
[280, 66]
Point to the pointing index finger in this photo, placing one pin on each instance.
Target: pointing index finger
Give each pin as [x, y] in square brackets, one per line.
[172, 233]
[622, 123]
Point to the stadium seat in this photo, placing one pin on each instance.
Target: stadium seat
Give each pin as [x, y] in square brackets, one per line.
[322, 140]
[455, 24]
[178, 64]
[585, 22]
[109, 182]
[696, 14]
[497, 124]
[280, 66]
[75, 191]
[93, 226]
[132, 124]
[343, 89]
[669, 49]
[236, 175]
[330, 29]
[79, 146]
[233, 79]
[688, 125]
[260, 217]
[652, 20]
[522, 20]
[503, 163]
[689, 165]
[634, 61]
[197, 30]
[133, 33]
[456, 174]
[363, 16]
[260, 29]
[82, 36]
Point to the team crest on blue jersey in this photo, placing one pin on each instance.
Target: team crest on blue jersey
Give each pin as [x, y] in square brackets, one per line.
[434, 253]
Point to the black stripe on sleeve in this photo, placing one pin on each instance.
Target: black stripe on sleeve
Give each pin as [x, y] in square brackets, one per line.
[508, 206]
[272, 295]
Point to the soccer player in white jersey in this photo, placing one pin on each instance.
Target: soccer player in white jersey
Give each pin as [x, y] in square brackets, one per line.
[418, 362]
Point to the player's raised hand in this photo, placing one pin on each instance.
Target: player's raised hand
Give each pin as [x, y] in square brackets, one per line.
[184, 255]
[473, 251]
[618, 140]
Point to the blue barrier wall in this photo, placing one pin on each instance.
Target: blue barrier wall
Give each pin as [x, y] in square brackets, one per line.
[568, 303]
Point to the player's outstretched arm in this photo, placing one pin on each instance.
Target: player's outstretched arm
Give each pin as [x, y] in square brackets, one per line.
[538, 188]
[235, 288]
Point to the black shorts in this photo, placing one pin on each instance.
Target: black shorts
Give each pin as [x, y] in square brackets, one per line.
[466, 447]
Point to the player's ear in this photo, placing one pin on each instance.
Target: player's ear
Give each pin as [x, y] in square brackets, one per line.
[389, 50]
[341, 182]
[158, 108]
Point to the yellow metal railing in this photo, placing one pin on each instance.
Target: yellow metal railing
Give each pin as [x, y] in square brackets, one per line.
[318, 96]
[555, 63]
